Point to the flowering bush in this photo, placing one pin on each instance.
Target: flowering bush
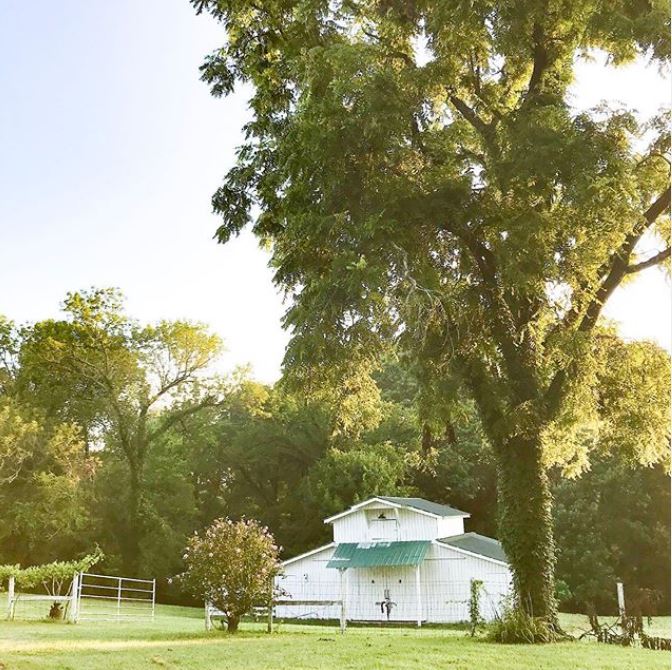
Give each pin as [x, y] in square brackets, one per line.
[232, 566]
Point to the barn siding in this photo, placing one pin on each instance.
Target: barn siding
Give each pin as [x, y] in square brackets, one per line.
[412, 525]
[445, 588]
[450, 525]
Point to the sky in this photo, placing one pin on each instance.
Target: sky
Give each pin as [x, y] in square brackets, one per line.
[110, 150]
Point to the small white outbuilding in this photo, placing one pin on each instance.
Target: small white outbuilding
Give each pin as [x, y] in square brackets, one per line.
[396, 559]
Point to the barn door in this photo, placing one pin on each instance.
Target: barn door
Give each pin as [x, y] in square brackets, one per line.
[384, 529]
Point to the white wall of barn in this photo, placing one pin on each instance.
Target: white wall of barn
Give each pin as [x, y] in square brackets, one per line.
[362, 526]
[445, 577]
[450, 525]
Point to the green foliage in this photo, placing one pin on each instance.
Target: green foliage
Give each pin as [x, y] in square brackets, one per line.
[450, 201]
[562, 591]
[55, 576]
[7, 571]
[344, 477]
[50, 491]
[613, 522]
[516, 626]
[17, 440]
[125, 386]
[475, 617]
[232, 566]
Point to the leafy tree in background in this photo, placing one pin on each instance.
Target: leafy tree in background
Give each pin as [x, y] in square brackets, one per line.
[423, 178]
[344, 477]
[46, 488]
[613, 523]
[126, 385]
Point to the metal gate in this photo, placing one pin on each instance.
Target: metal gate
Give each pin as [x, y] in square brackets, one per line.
[109, 598]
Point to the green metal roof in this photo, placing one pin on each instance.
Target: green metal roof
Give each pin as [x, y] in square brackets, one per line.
[425, 506]
[378, 554]
[477, 544]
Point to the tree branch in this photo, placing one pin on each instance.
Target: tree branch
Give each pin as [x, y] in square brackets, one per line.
[541, 60]
[615, 270]
[209, 401]
[618, 262]
[469, 114]
[649, 262]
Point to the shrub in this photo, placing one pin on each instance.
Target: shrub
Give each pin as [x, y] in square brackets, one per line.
[7, 571]
[54, 577]
[517, 627]
[232, 566]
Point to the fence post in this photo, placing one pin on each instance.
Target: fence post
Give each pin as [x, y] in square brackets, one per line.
[208, 620]
[74, 598]
[153, 596]
[10, 597]
[621, 604]
[418, 592]
[343, 594]
[269, 623]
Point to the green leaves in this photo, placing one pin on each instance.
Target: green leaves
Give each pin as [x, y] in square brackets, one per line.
[53, 577]
[232, 565]
[446, 199]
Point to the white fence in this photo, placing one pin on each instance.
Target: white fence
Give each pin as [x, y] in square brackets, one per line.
[212, 613]
[109, 598]
[39, 605]
[90, 597]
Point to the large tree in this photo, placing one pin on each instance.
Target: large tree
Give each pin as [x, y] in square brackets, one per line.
[422, 176]
[126, 385]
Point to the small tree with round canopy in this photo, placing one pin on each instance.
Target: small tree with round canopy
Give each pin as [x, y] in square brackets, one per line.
[232, 566]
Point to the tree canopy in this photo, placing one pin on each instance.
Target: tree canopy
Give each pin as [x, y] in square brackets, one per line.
[423, 179]
[289, 459]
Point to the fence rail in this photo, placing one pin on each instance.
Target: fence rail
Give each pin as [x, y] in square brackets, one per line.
[118, 600]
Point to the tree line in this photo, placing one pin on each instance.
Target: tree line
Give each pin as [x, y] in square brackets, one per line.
[122, 435]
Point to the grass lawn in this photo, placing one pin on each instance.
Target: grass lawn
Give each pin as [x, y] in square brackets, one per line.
[177, 639]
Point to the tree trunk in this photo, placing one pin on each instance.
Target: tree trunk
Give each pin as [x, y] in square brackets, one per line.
[134, 530]
[232, 624]
[526, 525]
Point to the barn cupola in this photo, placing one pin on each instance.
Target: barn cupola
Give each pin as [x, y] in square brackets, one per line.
[396, 519]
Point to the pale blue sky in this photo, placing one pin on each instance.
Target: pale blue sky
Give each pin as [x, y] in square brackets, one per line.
[110, 148]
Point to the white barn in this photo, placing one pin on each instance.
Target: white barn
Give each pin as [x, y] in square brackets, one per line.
[396, 559]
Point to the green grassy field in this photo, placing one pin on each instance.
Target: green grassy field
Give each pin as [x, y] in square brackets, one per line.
[177, 639]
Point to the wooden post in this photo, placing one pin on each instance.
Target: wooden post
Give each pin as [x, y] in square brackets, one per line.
[269, 623]
[10, 597]
[208, 620]
[74, 598]
[418, 594]
[343, 595]
[621, 604]
[153, 596]
[119, 599]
